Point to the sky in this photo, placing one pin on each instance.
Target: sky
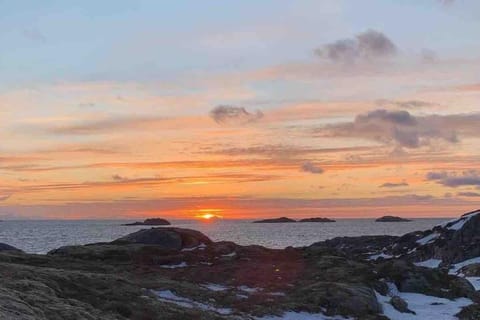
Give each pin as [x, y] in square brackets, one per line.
[240, 109]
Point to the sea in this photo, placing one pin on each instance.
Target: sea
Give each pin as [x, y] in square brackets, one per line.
[41, 236]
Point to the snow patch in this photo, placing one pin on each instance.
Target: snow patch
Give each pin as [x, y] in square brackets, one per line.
[428, 238]
[456, 267]
[174, 266]
[290, 315]
[201, 246]
[231, 254]
[170, 297]
[215, 287]
[431, 263]
[475, 281]
[380, 255]
[249, 289]
[425, 307]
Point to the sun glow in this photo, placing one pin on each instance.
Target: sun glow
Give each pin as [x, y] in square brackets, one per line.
[208, 214]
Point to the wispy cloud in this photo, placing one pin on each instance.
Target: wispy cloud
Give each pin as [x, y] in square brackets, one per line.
[225, 114]
[393, 184]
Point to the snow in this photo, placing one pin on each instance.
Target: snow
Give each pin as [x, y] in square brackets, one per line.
[170, 297]
[428, 238]
[460, 223]
[425, 307]
[215, 287]
[380, 255]
[290, 315]
[201, 246]
[475, 281]
[456, 267]
[431, 263]
[231, 254]
[249, 289]
[174, 266]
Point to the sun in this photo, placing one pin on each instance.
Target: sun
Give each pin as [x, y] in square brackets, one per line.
[208, 214]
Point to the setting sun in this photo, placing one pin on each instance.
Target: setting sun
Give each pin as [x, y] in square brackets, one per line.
[208, 214]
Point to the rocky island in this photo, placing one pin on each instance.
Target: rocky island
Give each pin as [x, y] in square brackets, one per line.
[150, 222]
[392, 219]
[175, 273]
[275, 220]
[316, 220]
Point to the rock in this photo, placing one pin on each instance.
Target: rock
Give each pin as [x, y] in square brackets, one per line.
[150, 222]
[166, 238]
[340, 298]
[275, 220]
[6, 247]
[400, 304]
[363, 246]
[450, 242]
[316, 220]
[471, 270]
[391, 219]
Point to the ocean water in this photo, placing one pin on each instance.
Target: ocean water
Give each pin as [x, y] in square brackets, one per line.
[41, 236]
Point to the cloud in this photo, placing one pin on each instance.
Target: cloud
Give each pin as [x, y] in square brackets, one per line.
[225, 114]
[454, 180]
[370, 45]
[403, 129]
[279, 150]
[118, 177]
[311, 167]
[468, 194]
[107, 125]
[408, 104]
[5, 197]
[393, 185]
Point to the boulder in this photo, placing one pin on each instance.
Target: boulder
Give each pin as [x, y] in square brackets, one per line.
[340, 298]
[167, 238]
[400, 304]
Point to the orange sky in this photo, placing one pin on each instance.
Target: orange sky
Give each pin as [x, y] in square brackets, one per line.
[384, 127]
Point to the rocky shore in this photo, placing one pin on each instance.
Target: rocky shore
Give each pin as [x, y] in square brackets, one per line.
[174, 273]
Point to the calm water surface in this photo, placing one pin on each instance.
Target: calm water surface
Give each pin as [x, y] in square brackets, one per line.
[45, 235]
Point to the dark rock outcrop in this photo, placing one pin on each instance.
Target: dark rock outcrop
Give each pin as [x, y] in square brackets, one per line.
[150, 222]
[392, 219]
[6, 247]
[275, 220]
[316, 220]
[166, 238]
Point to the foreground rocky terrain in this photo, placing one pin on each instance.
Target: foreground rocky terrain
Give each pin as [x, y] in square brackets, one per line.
[173, 273]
